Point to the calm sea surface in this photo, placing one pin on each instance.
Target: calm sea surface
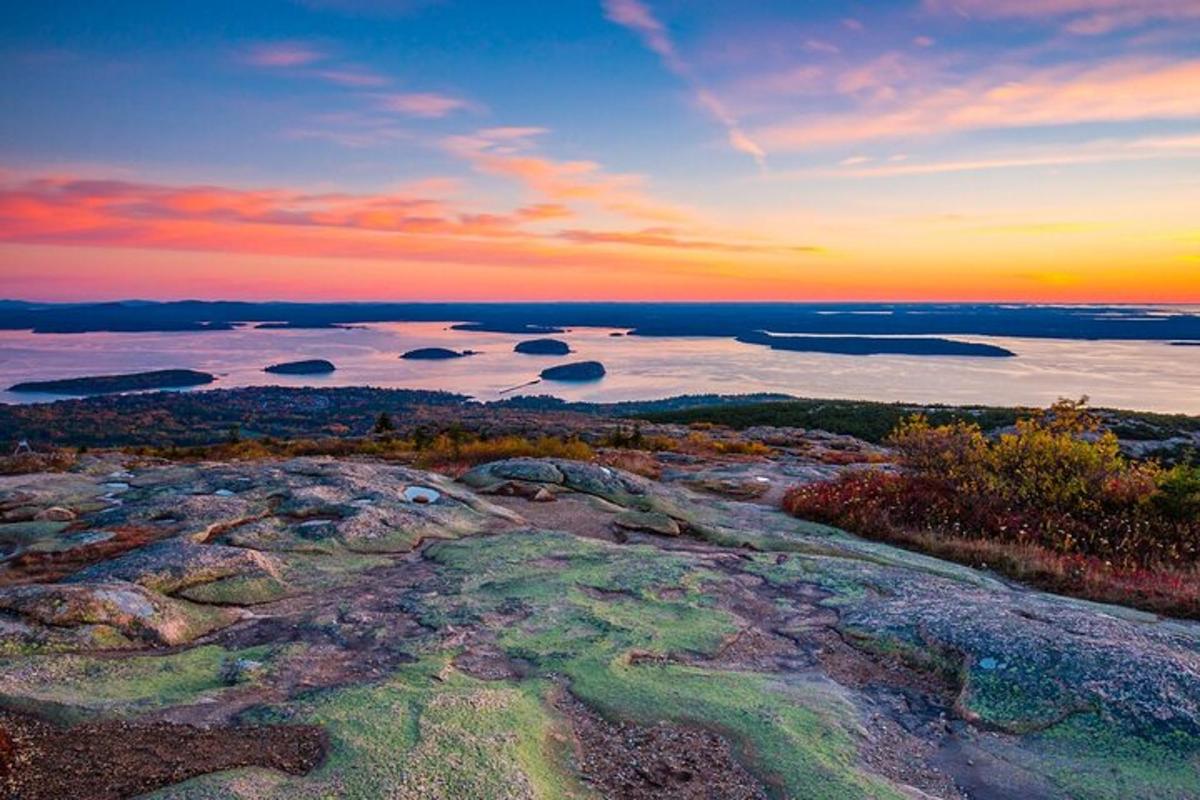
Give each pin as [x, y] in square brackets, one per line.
[1145, 375]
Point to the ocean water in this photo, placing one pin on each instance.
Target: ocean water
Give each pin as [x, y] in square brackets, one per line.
[1144, 375]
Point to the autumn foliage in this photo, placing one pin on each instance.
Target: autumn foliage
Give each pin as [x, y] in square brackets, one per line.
[1054, 501]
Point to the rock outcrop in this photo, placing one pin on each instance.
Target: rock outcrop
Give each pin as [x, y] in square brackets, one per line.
[454, 628]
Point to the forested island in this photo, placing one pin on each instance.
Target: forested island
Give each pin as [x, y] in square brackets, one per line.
[109, 384]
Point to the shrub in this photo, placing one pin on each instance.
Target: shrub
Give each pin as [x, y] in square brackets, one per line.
[1055, 492]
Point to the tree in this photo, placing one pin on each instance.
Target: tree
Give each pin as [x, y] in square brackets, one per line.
[384, 425]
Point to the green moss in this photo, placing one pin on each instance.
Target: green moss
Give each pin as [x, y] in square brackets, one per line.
[1088, 757]
[242, 590]
[586, 606]
[429, 731]
[73, 687]
[1005, 698]
[796, 735]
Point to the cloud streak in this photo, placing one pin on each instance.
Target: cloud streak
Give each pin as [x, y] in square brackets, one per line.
[1081, 17]
[1124, 90]
[282, 55]
[427, 105]
[284, 222]
[637, 17]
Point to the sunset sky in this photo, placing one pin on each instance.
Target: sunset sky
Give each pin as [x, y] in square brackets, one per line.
[601, 149]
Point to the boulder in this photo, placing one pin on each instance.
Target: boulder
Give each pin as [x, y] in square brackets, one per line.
[104, 614]
[180, 566]
[55, 514]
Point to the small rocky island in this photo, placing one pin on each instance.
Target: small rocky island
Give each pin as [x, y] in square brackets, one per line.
[435, 354]
[111, 384]
[543, 347]
[312, 366]
[579, 371]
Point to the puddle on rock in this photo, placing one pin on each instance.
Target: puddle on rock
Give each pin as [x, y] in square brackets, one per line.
[421, 494]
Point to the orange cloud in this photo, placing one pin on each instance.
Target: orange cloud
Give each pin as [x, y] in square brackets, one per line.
[506, 152]
[666, 237]
[281, 222]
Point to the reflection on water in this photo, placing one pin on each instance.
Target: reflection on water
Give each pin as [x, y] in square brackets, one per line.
[1151, 376]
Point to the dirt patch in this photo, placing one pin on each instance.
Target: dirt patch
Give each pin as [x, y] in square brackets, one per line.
[569, 512]
[486, 661]
[658, 762]
[104, 760]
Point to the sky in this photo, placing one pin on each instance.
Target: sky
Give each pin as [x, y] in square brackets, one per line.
[895, 150]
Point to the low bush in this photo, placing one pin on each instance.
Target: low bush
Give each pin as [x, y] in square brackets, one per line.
[449, 451]
[55, 460]
[1054, 502]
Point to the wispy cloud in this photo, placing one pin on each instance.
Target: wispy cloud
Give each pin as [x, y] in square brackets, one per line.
[1130, 89]
[1101, 152]
[637, 17]
[674, 239]
[283, 54]
[352, 77]
[428, 105]
[1082, 17]
[510, 152]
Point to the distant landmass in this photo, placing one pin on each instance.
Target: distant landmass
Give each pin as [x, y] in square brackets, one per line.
[1162, 323]
[312, 366]
[579, 371]
[876, 345]
[543, 347]
[109, 384]
[503, 325]
[435, 354]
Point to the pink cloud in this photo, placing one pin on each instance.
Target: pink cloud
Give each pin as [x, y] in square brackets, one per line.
[392, 228]
[1117, 91]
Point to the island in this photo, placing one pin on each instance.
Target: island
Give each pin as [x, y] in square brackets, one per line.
[876, 345]
[303, 325]
[435, 354]
[312, 366]
[543, 347]
[111, 384]
[579, 371]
